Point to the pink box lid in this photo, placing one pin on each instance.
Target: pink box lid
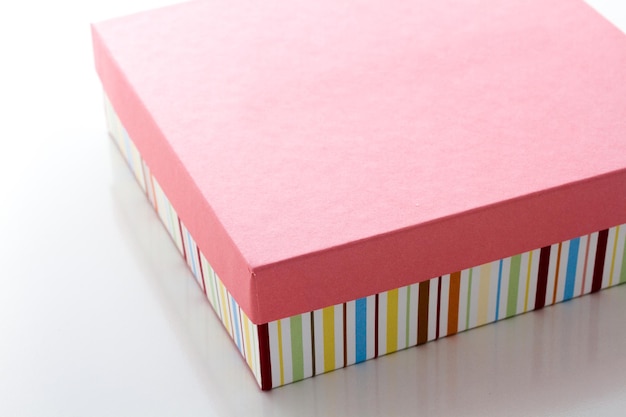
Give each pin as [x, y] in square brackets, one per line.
[321, 151]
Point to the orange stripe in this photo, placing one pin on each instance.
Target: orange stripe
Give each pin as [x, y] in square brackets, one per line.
[453, 303]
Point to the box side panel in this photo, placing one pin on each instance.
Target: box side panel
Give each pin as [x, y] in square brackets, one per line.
[156, 151]
[242, 331]
[340, 335]
[315, 342]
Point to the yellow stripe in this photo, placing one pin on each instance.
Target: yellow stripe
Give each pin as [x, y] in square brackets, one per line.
[224, 304]
[392, 321]
[246, 339]
[530, 260]
[613, 256]
[328, 323]
[483, 294]
[280, 351]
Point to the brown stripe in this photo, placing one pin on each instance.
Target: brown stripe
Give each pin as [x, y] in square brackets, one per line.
[182, 239]
[313, 342]
[264, 357]
[556, 274]
[376, 327]
[345, 343]
[201, 270]
[542, 277]
[422, 312]
[453, 303]
[438, 307]
[598, 268]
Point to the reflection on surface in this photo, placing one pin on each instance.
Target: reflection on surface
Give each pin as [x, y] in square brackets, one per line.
[556, 360]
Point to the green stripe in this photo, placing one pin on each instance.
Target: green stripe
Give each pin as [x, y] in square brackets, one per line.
[622, 275]
[295, 323]
[469, 299]
[511, 302]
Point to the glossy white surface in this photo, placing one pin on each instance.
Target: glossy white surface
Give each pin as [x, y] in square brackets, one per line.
[99, 315]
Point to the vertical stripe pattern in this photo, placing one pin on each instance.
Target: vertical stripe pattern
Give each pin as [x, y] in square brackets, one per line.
[446, 305]
[244, 333]
[298, 347]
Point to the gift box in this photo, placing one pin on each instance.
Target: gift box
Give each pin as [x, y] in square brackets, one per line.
[346, 180]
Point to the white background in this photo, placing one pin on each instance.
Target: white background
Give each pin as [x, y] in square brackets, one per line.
[100, 317]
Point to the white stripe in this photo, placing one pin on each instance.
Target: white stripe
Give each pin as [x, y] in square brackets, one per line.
[307, 355]
[401, 326]
[493, 290]
[608, 257]
[504, 287]
[319, 341]
[560, 288]
[218, 300]
[473, 313]
[593, 245]
[534, 270]
[521, 291]
[443, 308]
[255, 349]
[371, 315]
[432, 309]
[413, 315]
[619, 255]
[350, 332]
[382, 323]
[463, 290]
[274, 358]
[580, 271]
[338, 336]
[285, 327]
[147, 176]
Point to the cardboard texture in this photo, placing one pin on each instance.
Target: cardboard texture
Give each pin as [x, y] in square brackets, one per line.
[315, 148]
[321, 153]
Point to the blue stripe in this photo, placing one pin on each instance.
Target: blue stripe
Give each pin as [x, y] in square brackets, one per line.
[235, 323]
[572, 260]
[498, 293]
[128, 152]
[360, 312]
[192, 257]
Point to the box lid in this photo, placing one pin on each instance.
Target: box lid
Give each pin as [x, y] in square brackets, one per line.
[321, 151]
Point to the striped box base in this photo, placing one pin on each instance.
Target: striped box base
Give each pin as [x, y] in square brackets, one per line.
[316, 342]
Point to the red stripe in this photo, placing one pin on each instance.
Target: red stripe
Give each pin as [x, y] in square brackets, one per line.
[422, 312]
[264, 357]
[201, 271]
[438, 307]
[598, 268]
[313, 342]
[345, 343]
[542, 277]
